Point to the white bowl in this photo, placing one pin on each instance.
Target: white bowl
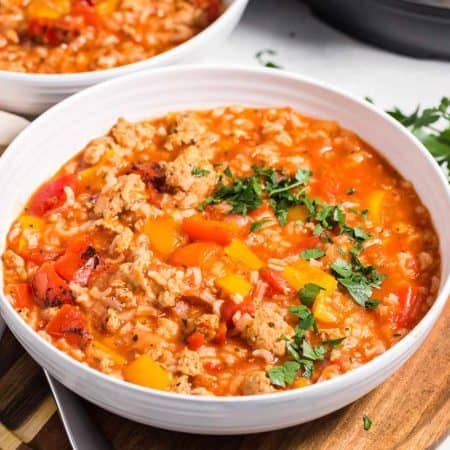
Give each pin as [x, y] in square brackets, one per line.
[55, 136]
[32, 94]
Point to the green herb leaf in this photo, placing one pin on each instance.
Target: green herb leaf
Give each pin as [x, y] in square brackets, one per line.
[257, 225]
[285, 374]
[333, 342]
[197, 172]
[341, 268]
[317, 229]
[315, 353]
[262, 55]
[367, 423]
[312, 253]
[432, 127]
[305, 316]
[372, 303]
[308, 293]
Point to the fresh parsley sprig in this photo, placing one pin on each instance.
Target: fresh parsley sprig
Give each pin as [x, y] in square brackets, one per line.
[432, 127]
[358, 279]
[302, 352]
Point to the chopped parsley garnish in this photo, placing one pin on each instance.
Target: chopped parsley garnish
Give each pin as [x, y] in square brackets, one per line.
[351, 191]
[315, 353]
[358, 279]
[308, 293]
[245, 194]
[285, 374]
[198, 172]
[255, 226]
[312, 253]
[334, 342]
[367, 423]
[317, 229]
[302, 352]
[262, 55]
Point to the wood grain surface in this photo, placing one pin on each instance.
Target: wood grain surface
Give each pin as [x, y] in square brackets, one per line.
[411, 411]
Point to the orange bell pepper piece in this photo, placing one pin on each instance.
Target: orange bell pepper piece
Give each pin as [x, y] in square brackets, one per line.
[200, 229]
[197, 254]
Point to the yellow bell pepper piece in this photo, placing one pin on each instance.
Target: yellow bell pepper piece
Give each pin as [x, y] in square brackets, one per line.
[295, 213]
[301, 272]
[33, 222]
[48, 9]
[324, 311]
[90, 178]
[375, 206]
[113, 354]
[163, 235]
[105, 7]
[146, 372]
[29, 222]
[301, 382]
[234, 284]
[239, 251]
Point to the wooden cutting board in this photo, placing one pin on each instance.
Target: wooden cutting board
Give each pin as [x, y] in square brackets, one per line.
[411, 411]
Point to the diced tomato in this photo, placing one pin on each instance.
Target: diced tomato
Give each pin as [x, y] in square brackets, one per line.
[200, 229]
[221, 334]
[69, 323]
[23, 297]
[49, 288]
[51, 195]
[195, 340]
[409, 298]
[308, 242]
[86, 9]
[154, 177]
[51, 31]
[213, 8]
[230, 308]
[327, 187]
[213, 367]
[197, 254]
[275, 281]
[76, 256]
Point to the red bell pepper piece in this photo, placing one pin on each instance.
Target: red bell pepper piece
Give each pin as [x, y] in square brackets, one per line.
[23, 297]
[275, 281]
[78, 261]
[409, 305]
[51, 195]
[68, 323]
[49, 288]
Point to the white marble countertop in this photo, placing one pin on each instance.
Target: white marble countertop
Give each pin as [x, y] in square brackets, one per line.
[307, 46]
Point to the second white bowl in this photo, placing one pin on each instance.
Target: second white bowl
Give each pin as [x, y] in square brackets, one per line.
[32, 94]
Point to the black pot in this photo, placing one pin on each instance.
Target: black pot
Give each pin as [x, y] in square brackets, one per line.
[414, 27]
